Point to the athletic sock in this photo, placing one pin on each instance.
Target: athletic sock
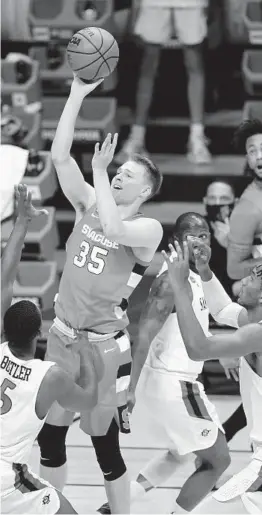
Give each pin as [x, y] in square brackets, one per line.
[137, 490]
[196, 131]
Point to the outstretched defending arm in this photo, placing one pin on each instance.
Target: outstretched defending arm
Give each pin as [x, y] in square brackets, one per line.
[12, 252]
[79, 193]
[199, 347]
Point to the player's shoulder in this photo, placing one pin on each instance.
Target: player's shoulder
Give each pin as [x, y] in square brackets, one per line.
[153, 225]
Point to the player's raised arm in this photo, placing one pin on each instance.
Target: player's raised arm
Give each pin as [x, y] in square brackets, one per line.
[141, 232]
[243, 223]
[159, 305]
[199, 347]
[79, 193]
[12, 252]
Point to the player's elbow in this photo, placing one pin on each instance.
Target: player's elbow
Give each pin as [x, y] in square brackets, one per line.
[195, 353]
[234, 269]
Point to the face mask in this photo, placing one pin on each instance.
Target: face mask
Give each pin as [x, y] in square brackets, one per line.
[219, 212]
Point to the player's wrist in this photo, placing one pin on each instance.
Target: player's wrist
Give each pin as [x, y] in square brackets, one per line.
[205, 272]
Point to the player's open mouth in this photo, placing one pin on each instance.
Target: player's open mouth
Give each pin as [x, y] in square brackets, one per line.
[116, 187]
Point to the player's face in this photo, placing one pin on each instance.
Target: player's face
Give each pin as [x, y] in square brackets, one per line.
[201, 232]
[254, 154]
[130, 183]
[251, 291]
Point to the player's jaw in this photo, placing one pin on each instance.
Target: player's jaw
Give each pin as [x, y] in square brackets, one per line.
[250, 295]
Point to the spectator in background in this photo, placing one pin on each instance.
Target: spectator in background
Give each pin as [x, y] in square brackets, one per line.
[154, 25]
[245, 238]
[219, 203]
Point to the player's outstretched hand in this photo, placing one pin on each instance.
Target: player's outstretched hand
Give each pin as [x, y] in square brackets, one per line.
[178, 265]
[202, 253]
[25, 209]
[81, 88]
[231, 368]
[103, 157]
[131, 400]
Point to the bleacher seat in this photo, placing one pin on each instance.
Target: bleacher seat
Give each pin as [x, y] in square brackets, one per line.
[60, 19]
[44, 186]
[41, 239]
[37, 282]
[253, 21]
[96, 118]
[252, 72]
[252, 109]
[26, 96]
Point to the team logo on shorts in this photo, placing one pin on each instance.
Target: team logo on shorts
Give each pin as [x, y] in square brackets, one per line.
[205, 432]
[46, 499]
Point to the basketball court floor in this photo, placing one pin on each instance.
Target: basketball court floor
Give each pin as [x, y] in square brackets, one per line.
[85, 483]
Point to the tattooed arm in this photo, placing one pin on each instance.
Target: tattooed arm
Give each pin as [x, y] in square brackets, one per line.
[159, 305]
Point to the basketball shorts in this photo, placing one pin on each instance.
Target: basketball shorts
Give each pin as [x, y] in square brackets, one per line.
[103, 359]
[23, 492]
[158, 24]
[182, 415]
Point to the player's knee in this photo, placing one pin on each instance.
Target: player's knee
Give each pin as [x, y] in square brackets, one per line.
[51, 441]
[109, 459]
[218, 461]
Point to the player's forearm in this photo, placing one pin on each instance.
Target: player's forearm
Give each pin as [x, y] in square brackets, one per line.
[12, 252]
[239, 265]
[193, 335]
[139, 355]
[65, 130]
[108, 212]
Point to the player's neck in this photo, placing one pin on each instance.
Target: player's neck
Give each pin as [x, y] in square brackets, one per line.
[126, 211]
[258, 183]
[25, 355]
[255, 313]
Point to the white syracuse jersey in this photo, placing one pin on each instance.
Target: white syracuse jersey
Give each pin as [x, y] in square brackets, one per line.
[20, 383]
[251, 393]
[168, 351]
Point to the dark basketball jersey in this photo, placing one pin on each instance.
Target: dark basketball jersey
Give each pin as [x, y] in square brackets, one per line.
[98, 278]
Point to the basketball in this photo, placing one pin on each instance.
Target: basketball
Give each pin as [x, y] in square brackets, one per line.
[93, 54]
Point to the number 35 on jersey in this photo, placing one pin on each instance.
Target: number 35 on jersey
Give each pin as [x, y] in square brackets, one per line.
[91, 257]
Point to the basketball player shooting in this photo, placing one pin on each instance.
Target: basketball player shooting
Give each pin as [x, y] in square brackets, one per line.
[107, 254]
[243, 492]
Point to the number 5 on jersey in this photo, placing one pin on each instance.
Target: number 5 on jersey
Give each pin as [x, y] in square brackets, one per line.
[95, 263]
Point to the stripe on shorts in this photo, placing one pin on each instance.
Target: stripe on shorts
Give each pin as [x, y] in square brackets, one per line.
[122, 383]
[124, 370]
[24, 481]
[123, 342]
[194, 404]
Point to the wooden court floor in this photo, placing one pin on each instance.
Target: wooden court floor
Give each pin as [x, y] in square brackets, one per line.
[85, 483]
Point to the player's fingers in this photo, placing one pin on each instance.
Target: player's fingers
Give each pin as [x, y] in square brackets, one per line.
[234, 374]
[227, 373]
[96, 148]
[186, 251]
[171, 248]
[115, 139]
[29, 198]
[168, 259]
[178, 251]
